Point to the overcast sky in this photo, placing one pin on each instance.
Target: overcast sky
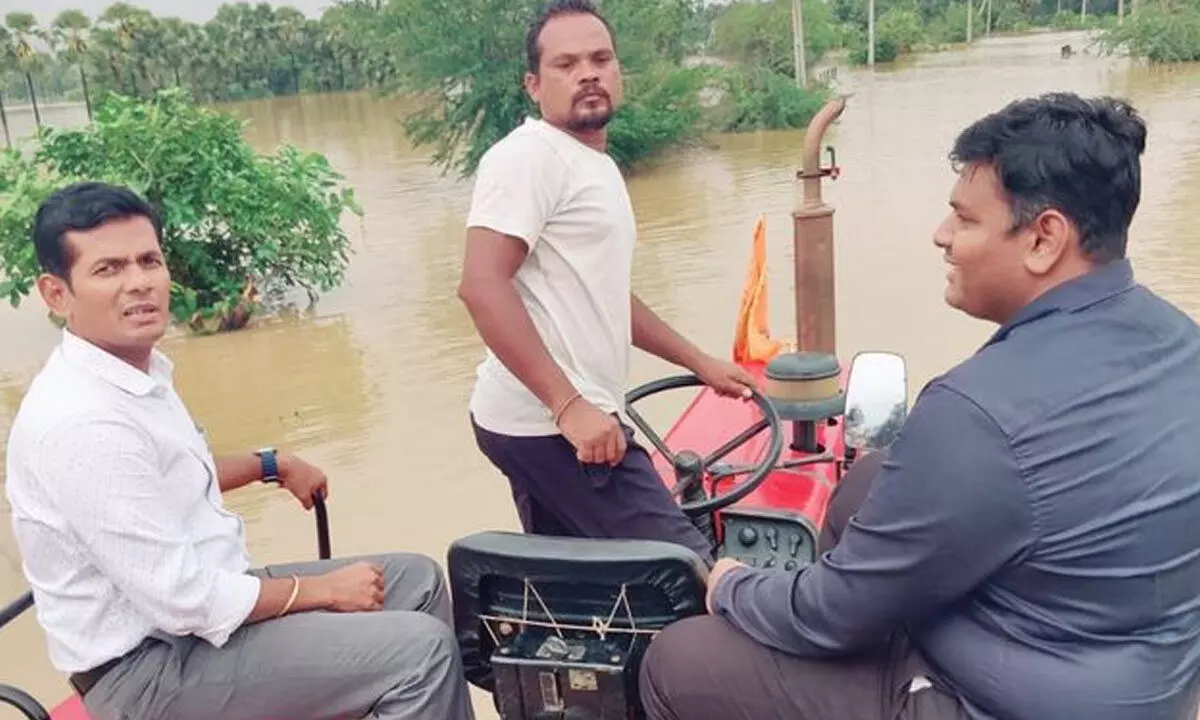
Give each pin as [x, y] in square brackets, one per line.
[196, 10]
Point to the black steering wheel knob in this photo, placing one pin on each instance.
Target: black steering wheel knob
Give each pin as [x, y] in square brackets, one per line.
[688, 462]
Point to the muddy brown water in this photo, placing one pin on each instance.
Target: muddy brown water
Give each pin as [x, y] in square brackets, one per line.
[372, 385]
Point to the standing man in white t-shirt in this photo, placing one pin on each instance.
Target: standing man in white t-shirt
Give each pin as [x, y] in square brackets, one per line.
[546, 278]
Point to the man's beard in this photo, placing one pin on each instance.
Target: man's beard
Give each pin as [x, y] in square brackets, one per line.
[592, 121]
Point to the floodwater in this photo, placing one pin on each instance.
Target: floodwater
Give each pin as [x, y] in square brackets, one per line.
[373, 384]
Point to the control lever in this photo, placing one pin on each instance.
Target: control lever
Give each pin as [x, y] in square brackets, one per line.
[772, 536]
[793, 544]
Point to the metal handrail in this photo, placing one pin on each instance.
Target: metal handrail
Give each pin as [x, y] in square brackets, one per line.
[11, 612]
[23, 702]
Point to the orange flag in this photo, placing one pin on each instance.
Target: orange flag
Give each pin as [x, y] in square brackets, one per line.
[752, 341]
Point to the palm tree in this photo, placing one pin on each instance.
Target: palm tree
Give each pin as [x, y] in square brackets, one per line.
[70, 29]
[174, 37]
[7, 64]
[123, 23]
[24, 29]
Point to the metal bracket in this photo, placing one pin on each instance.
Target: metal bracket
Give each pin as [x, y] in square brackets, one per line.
[832, 172]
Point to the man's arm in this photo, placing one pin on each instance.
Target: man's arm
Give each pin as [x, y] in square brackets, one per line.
[487, 290]
[948, 509]
[236, 471]
[104, 477]
[653, 335]
[517, 188]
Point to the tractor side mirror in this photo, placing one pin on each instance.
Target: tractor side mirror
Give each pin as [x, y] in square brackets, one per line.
[876, 400]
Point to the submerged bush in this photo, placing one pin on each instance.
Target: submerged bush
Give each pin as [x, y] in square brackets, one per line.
[756, 98]
[236, 224]
[1158, 33]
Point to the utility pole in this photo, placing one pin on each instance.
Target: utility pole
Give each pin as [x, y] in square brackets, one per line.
[871, 33]
[970, 19]
[799, 56]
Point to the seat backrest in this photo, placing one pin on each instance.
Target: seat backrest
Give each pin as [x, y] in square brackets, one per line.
[502, 580]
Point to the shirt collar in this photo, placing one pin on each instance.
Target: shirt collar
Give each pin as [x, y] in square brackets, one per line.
[115, 371]
[1074, 295]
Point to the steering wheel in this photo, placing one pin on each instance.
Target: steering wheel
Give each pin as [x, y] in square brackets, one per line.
[691, 468]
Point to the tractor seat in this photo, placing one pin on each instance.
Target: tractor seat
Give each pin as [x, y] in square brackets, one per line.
[563, 622]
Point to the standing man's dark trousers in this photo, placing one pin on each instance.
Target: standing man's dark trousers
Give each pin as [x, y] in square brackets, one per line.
[704, 668]
[556, 494]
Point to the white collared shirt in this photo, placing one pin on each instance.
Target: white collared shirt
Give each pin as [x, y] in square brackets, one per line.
[117, 511]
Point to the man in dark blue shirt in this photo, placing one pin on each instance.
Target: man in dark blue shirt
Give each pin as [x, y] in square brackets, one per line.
[1030, 547]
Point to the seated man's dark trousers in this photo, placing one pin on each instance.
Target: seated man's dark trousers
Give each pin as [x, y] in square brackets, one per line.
[710, 670]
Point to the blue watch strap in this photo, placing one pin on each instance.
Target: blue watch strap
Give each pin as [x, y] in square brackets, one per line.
[270, 465]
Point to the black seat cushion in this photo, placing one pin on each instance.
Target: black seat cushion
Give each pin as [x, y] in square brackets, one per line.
[578, 580]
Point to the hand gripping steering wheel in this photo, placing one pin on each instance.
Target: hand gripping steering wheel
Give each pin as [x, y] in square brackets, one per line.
[691, 468]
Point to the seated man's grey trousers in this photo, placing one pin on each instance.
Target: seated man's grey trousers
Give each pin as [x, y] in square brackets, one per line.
[400, 663]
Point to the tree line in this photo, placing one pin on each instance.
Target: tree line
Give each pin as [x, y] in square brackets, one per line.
[243, 229]
[465, 56]
[256, 50]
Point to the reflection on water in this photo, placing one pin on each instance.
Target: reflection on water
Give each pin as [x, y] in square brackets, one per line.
[373, 386]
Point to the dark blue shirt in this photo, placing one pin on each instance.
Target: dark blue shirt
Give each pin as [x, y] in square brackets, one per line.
[1036, 527]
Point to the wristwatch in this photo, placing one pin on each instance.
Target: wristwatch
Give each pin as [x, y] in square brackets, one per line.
[270, 464]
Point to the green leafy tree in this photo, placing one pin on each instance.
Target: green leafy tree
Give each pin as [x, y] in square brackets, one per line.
[238, 226]
[466, 60]
[1167, 31]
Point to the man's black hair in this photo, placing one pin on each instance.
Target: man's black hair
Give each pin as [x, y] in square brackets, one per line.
[1079, 156]
[81, 207]
[533, 49]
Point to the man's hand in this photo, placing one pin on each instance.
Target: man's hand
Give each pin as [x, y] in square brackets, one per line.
[358, 587]
[302, 479]
[726, 378]
[596, 435]
[718, 571]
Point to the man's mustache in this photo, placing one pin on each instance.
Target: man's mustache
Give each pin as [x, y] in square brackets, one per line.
[591, 92]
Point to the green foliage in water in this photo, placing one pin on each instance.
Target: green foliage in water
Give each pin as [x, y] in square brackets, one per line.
[237, 224]
[898, 31]
[759, 34]
[908, 26]
[466, 60]
[1160, 33]
[757, 98]
[662, 109]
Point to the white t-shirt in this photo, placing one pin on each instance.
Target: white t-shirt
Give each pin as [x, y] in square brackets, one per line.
[568, 202]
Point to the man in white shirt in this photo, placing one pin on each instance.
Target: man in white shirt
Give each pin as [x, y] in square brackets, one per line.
[546, 278]
[141, 577]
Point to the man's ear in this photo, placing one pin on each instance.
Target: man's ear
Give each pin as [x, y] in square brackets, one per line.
[533, 86]
[56, 293]
[1053, 235]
